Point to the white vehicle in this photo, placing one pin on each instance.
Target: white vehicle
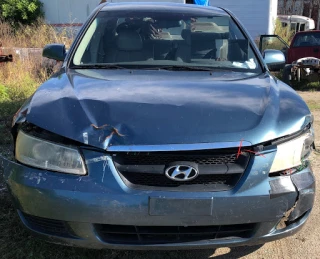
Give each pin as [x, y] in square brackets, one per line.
[296, 23]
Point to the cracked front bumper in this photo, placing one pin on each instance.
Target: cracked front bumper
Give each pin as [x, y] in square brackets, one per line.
[81, 203]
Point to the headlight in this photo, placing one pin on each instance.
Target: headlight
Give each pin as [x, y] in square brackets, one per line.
[291, 153]
[47, 155]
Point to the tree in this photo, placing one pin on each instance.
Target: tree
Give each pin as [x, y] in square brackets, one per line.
[21, 11]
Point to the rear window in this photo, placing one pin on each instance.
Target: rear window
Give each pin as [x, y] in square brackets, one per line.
[307, 40]
[152, 39]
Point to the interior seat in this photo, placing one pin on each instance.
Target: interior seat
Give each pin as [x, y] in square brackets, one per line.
[129, 47]
[203, 46]
[305, 44]
[183, 48]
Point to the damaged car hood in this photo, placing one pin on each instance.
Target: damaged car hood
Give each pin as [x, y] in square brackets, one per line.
[104, 108]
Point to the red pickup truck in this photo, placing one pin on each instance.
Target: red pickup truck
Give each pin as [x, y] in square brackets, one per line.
[304, 44]
[302, 56]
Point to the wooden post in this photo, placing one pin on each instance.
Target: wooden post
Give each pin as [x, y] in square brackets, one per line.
[315, 13]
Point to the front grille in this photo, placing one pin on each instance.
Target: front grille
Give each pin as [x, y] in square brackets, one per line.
[218, 169]
[47, 226]
[162, 181]
[167, 158]
[120, 234]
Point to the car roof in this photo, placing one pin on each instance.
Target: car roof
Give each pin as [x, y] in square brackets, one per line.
[163, 7]
[287, 17]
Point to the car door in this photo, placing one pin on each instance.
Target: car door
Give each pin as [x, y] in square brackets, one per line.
[273, 42]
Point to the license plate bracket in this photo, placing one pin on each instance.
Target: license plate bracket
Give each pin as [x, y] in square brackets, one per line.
[180, 207]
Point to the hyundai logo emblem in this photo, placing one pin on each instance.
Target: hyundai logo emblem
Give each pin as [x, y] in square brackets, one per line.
[181, 173]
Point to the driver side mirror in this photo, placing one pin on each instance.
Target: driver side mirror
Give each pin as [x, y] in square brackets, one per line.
[55, 51]
[274, 59]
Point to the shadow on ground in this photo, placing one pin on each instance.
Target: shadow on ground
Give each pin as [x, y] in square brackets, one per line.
[222, 253]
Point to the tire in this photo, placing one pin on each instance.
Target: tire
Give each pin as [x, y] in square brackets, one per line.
[286, 75]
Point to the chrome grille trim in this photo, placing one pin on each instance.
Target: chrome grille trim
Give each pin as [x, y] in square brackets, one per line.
[178, 147]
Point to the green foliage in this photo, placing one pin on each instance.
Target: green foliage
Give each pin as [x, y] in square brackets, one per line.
[284, 32]
[21, 11]
[4, 96]
[303, 85]
[16, 86]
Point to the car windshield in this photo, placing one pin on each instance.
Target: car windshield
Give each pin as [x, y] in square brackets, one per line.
[307, 39]
[138, 39]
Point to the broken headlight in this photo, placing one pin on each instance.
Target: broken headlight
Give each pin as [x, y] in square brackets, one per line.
[44, 154]
[292, 153]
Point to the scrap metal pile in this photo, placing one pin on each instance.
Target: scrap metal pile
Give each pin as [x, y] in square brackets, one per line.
[5, 58]
[306, 68]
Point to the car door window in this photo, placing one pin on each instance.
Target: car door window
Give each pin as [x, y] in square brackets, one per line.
[272, 42]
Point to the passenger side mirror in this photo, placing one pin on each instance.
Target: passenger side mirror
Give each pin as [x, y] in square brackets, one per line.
[274, 59]
[54, 51]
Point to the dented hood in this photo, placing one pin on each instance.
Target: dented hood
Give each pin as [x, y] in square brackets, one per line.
[106, 108]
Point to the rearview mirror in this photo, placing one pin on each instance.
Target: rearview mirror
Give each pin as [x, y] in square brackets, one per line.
[274, 59]
[54, 51]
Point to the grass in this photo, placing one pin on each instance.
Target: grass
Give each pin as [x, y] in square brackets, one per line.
[313, 105]
[18, 80]
[36, 35]
[306, 86]
[303, 85]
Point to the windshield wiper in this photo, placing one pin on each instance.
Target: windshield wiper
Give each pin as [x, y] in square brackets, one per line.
[172, 67]
[98, 66]
[184, 68]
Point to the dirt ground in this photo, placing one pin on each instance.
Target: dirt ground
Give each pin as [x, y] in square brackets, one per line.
[305, 244]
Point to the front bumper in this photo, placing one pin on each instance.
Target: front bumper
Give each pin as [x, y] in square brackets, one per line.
[82, 202]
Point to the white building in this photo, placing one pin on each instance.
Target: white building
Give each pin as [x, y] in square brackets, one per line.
[258, 16]
[75, 12]
[68, 12]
